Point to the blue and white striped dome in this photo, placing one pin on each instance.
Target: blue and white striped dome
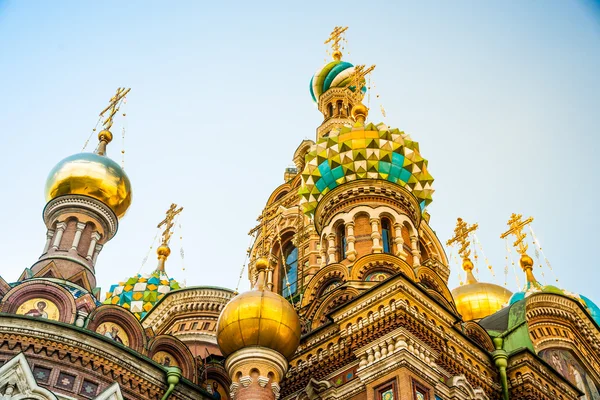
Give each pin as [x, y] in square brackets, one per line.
[333, 74]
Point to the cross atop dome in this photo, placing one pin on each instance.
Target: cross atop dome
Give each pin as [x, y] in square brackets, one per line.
[163, 250]
[334, 38]
[105, 136]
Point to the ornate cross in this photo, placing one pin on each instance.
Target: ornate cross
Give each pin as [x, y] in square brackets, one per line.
[335, 37]
[358, 80]
[516, 228]
[113, 107]
[461, 236]
[172, 212]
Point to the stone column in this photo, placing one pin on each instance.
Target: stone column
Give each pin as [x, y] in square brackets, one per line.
[399, 242]
[95, 257]
[49, 236]
[350, 239]
[332, 249]
[415, 250]
[60, 229]
[259, 370]
[77, 238]
[323, 252]
[375, 235]
[95, 237]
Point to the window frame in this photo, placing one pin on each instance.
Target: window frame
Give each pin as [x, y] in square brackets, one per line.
[416, 386]
[384, 387]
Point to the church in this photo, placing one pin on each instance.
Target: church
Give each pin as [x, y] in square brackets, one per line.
[349, 298]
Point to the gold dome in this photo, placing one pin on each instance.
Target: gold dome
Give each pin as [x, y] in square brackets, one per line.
[259, 318]
[92, 175]
[478, 300]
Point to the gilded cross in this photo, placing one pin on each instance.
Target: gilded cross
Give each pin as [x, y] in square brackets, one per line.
[461, 236]
[516, 228]
[335, 37]
[172, 212]
[358, 80]
[113, 106]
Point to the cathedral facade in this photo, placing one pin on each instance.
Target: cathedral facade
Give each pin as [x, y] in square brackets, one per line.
[350, 295]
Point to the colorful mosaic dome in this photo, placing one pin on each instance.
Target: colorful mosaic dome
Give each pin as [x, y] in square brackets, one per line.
[364, 152]
[333, 74]
[141, 292]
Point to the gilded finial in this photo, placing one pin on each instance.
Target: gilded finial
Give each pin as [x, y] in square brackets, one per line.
[163, 250]
[461, 236]
[334, 38]
[359, 111]
[517, 225]
[105, 136]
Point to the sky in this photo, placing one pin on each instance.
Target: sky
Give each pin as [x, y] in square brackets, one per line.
[503, 97]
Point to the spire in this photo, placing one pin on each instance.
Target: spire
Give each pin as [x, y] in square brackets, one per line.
[163, 250]
[516, 225]
[105, 136]
[461, 236]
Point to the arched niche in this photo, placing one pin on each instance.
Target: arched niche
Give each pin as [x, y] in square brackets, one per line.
[29, 294]
[107, 316]
[162, 346]
[380, 262]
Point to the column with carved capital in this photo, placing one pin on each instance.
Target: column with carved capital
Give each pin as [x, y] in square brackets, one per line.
[49, 236]
[332, 249]
[60, 229]
[399, 242]
[415, 250]
[350, 239]
[95, 237]
[375, 235]
[77, 238]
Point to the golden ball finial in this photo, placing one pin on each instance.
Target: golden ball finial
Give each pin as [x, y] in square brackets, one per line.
[262, 264]
[359, 113]
[105, 136]
[526, 262]
[337, 55]
[467, 265]
[259, 318]
[163, 251]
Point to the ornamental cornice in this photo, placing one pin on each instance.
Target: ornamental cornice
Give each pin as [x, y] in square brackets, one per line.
[77, 344]
[377, 191]
[209, 300]
[77, 204]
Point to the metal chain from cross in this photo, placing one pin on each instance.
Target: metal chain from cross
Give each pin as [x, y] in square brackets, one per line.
[172, 212]
[335, 37]
[358, 81]
[516, 228]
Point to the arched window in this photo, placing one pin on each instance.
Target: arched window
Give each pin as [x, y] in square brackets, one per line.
[290, 271]
[386, 235]
[330, 110]
[341, 241]
[340, 106]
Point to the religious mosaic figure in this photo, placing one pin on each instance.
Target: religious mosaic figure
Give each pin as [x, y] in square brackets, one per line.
[39, 308]
[114, 332]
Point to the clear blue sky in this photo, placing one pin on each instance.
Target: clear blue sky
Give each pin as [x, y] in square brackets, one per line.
[503, 96]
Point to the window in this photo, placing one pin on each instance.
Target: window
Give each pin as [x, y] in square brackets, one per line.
[420, 392]
[386, 235]
[341, 242]
[387, 391]
[194, 326]
[330, 110]
[290, 271]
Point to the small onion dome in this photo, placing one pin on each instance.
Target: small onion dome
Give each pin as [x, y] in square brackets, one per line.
[593, 309]
[477, 300]
[337, 73]
[140, 293]
[364, 152]
[93, 175]
[259, 318]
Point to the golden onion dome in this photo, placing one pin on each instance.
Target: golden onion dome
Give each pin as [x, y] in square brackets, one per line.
[477, 300]
[93, 175]
[259, 318]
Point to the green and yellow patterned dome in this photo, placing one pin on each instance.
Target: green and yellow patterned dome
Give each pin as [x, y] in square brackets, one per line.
[140, 293]
[364, 152]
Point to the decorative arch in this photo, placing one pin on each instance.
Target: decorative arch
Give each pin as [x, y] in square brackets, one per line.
[430, 279]
[125, 319]
[331, 302]
[286, 235]
[278, 193]
[428, 234]
[16, 372]
[182, 355]
[321, 280]
[378, 212]
[380, 262]
[479, 335]
[43, 289]
[300, 153]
